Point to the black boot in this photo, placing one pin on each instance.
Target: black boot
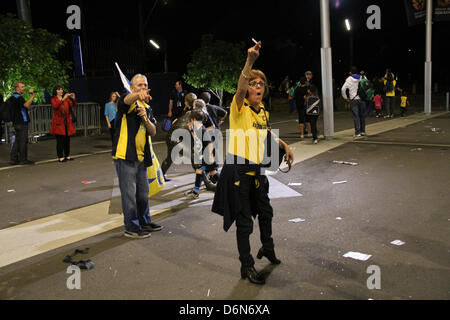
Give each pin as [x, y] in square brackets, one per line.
[252, 275]
[269, 255]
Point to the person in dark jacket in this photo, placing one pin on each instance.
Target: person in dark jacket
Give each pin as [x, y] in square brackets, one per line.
[242, 191]
[21, 120]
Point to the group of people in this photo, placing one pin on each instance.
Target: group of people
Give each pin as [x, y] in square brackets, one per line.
[62, 125]
[362, 95]
[242, 188]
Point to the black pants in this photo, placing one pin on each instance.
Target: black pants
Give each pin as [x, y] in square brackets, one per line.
[390, 105]
[168, 161]
[111, 132]
[313, 121]
[62, 146]
[253, 197]
[19, 151]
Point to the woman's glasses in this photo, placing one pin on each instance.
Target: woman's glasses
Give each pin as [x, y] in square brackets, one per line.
[255, 83]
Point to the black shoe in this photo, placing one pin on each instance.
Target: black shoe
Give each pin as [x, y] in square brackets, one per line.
[167, 179]
[28, 162]
[269, 255]
[252, 275]
[69, 159]
[14, 163]
[152, 227]
[61, 161]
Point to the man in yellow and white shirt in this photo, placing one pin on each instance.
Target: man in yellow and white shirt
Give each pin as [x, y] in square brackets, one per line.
[132, 155]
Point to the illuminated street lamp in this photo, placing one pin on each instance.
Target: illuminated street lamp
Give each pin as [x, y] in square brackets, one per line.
[347, 24]
[153, 43]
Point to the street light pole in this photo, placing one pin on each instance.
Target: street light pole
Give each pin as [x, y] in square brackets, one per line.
[166, 67]
[428, 79]
[23, 10]
[349, 29]
[327, 70]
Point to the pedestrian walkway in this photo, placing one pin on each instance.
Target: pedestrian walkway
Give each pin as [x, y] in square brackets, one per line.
[52, 232]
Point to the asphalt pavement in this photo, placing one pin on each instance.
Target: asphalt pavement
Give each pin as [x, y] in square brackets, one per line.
[397, 191]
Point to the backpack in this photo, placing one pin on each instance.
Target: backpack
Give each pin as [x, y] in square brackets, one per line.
[7, 110]
[389, 86]
[365, 90]
[312, 106]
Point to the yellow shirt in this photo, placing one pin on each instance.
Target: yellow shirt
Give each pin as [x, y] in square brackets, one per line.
[128, 126]
[391, 93]
[403, 102]
[248, 131]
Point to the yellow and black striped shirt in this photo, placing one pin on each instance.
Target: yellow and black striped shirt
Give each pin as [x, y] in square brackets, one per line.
[131, 140]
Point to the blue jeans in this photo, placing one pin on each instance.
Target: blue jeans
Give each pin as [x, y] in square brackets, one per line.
[133, 183]
[358, 108]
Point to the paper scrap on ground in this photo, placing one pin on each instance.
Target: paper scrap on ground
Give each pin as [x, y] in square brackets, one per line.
[11, 190]
[339, 182]
[416, 149]
[297, 220]
[345, 162]
[357, 256]
[398, 242]
[338, 218]
[88, 182]
[295, 184]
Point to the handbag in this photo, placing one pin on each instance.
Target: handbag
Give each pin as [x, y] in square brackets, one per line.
[74, 117]
[312, 106]
[166, 124]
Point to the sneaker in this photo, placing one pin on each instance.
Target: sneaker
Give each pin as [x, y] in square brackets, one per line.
[316, 141]
[191, 194]
[302, 137]
[137, 235]
[28, 162]
[357, 135]
[363, 134]
[152, 227]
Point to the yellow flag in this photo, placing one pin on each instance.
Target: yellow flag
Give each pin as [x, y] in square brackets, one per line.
[155, 176]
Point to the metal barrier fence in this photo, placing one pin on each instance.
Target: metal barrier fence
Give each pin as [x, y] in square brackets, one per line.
[88, 120]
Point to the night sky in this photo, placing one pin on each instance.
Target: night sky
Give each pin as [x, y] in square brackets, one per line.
[289, 31]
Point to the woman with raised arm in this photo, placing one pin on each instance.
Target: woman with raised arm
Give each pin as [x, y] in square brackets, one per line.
[242, 191]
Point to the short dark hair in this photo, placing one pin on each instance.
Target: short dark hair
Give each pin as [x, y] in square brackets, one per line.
[206, 96]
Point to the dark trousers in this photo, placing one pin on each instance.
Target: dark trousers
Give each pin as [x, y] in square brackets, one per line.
[358, 108]
[62, 145]
[111, 132]
[19, 151]
[313, 121]
[253, 196]
[168, 161]
[402, 111]
[390, 105]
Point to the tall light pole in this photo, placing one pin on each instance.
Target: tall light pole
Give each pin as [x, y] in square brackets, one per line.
[349, 29]
[428, 79]
[158, 47]
[327, 70]
[23, 10]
